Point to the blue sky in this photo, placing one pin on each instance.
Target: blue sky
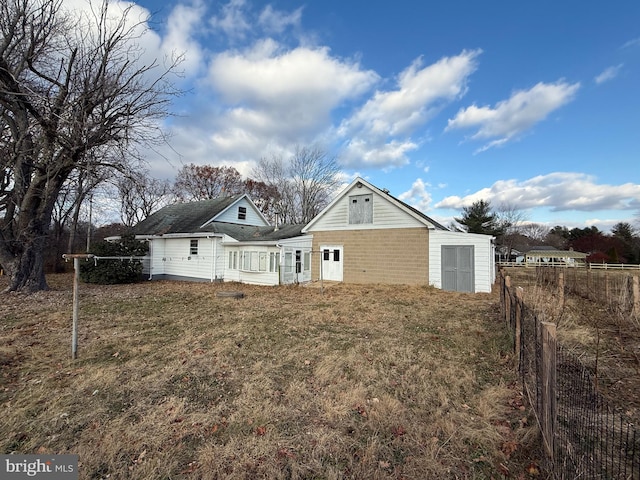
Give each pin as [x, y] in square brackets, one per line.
[535, 105]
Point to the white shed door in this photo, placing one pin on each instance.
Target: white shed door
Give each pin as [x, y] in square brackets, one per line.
[332, 263]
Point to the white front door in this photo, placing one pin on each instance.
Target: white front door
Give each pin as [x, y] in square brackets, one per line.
[331, 262]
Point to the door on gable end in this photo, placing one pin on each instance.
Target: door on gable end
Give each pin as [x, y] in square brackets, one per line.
[458, 268]
[331, 258]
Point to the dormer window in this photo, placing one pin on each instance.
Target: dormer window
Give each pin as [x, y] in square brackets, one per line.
[242, 213]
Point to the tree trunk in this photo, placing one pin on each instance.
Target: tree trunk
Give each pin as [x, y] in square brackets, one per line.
[27, 273]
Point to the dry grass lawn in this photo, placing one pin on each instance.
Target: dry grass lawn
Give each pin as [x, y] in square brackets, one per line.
[173, 382]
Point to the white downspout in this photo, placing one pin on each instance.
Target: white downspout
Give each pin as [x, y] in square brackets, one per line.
[213, 258]
[150, 259]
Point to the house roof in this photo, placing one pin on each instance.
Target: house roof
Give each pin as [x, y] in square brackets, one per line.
[199, 218]
[428, 221]
[183, 217]
[249, 233]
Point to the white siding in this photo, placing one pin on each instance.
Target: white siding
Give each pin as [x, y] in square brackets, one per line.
[483, 257]
[230, 215]
[172, 256]
[385, 214]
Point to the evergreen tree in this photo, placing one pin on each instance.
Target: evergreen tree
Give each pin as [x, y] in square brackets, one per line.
[479, 218]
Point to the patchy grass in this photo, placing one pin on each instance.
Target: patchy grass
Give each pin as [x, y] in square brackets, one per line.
[174, 382]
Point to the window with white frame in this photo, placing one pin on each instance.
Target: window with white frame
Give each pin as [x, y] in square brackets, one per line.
[193, 247]
[307, 261]
[288, 262]
[242, 213]
[274, 261]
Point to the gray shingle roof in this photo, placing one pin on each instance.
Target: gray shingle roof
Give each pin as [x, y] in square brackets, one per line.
[182, 217]
[248, 233]
[188, 218]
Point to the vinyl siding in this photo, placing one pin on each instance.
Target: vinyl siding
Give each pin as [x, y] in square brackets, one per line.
[172, 257]
[385, 214]
[231, 214]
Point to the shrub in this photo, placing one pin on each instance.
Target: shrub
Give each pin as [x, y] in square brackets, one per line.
[109, 272]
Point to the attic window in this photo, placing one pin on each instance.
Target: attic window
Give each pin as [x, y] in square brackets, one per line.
[242, 213]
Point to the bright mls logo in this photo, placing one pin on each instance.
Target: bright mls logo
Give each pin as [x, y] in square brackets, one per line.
[50, 467]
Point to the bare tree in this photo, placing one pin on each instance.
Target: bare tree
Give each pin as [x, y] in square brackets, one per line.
[266, 197]
[140, 196]
[68, 88]
[305, 183]
[511, 220]
[535, 231]
[203, 182]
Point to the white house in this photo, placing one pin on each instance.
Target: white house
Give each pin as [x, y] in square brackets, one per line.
[365, 235]
[224, 239]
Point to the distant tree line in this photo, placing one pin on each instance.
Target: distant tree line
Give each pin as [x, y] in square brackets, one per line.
[513, 232]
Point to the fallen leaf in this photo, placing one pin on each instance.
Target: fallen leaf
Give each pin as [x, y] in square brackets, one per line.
[261, 431]
[532, 469]
[508, 448]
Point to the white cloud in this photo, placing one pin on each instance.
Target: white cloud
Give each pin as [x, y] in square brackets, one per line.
[632, 43]
[392, 115]
[276, 22]
[182, 25]
[510, 118]
[264, 100]
[417, 196]
[232, 20]
[608, 74]
[559, 191]
[387, 155]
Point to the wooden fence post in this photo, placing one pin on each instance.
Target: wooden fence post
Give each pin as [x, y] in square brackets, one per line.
[548, 414]
[561, 288]
[636, 296]
[507, 300]
[519, 308]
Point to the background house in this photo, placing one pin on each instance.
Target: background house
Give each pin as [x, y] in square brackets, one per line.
[365, 235]
[224, 239]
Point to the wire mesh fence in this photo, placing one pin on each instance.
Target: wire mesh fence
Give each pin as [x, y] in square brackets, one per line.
[617, 290]
[584, 435]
